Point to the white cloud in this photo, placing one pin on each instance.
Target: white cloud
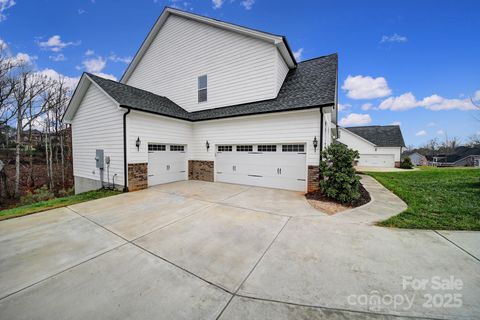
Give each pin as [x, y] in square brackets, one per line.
[89, 52]
[431, 124]
[394, 38]
[396, 123]
[58, 57]
[95, 64]
[113, 57]
[366, 106]
[81, 11]
[247, 4]
[217, 4]
[55, 43]
[440, 132]
[344, 107]
[21, 58]
[421, 133]
[434, 102]
[4, 5]
[365, 87]
[355, 119]
[298, 54]
[476, 96]
[3, 45]
[106, 75]
[70, 82]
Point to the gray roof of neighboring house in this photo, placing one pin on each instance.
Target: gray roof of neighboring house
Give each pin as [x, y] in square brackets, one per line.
[382, 136]
[311, 84]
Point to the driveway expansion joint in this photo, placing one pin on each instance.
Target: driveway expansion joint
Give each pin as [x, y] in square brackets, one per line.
[456, 245]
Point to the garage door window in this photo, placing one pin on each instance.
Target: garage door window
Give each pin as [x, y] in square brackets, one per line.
[177, 148]
[225, 148]
[293, 148]
[244, 148]
[156, 147]
[267, 148]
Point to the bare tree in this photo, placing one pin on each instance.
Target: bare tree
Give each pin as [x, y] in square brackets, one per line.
[474, 140]
[27, 107]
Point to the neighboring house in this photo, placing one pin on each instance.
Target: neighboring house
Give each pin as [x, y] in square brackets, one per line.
[460, 157]
[417, 158]
[205, 100]
[379, 146]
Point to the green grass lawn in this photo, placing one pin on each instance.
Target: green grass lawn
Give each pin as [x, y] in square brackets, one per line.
[437, 198]
[55, 203]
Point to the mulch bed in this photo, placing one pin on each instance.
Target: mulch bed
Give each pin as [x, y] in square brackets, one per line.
[330, 206]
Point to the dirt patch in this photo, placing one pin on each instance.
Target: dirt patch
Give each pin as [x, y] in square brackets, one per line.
[330, 206]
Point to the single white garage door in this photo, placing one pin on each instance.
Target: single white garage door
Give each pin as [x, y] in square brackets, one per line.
[166, 163]
[281, 166]
[376, 160]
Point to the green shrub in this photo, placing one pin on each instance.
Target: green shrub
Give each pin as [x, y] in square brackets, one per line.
[40, 194]
[339, 180]
[406, 163]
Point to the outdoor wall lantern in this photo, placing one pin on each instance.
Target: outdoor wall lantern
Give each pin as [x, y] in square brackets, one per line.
[137, 143]
[315, 143]
[207, 145]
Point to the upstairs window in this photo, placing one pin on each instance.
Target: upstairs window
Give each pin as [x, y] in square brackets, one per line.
[202, 88]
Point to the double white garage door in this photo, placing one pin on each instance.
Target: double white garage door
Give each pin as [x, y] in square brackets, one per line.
[273, 166]
[376, 160]
[281, 166]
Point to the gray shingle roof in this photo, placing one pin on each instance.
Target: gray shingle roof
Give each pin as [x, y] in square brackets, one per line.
[382, 136]
[311, 84]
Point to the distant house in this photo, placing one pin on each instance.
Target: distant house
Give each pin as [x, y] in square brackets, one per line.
[379, 146]
[417, 158]
[460, 157]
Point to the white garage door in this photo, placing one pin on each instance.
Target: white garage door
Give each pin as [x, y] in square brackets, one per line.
[376, 160]
[281, 166]
[166, 163]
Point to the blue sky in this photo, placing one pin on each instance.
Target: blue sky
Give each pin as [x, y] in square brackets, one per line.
[410, 62]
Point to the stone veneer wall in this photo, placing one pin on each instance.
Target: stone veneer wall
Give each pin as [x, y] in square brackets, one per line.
[200, 170]
[313, 179]
[137, 176]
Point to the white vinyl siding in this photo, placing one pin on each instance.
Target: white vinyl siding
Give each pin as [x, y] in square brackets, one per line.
[97, 125]
[154, 129]
[282, 70]
[289, 127]
[240, 68]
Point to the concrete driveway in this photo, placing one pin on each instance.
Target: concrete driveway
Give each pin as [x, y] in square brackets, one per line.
[198, 250]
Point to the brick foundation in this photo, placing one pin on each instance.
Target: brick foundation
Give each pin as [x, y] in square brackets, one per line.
[313, 179]
[200, 170]
[397, 164]
[137, 176]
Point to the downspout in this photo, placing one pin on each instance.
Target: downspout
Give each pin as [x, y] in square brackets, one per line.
[125, 167]
[321, 144]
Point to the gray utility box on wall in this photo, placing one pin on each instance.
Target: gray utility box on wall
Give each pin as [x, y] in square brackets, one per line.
[99, 158]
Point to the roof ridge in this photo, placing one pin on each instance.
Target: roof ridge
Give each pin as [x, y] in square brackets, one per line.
[319, 57]
[127, 85]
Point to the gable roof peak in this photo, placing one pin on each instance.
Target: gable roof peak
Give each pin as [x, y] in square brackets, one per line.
[278, 40]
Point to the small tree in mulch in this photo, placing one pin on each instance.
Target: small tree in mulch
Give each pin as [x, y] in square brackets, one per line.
[406, 163]
[339, 181]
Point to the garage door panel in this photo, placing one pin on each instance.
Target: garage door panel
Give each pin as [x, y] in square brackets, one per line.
[166, 166]
[376, 160]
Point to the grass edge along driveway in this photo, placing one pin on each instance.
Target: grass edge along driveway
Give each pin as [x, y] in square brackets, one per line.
[437, 198]
[55, 203]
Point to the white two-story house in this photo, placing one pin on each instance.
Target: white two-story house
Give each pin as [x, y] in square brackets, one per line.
[206, 100]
